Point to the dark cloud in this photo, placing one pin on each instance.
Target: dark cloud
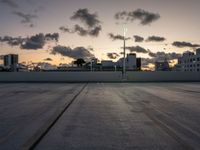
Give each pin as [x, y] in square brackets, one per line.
[39, 40]
[184, 44]
[48, 59]
[80, 31]
[151, 54]
[137, 49]
[89, 19]
[10, 3]
[117, 37]
[112, 55]
[94, 32]
[78, 52]
[138, 38]
[92, 24]
[155, 39]
[143, 16]
[34, 42]
[52, 37]
[26, 18]
[12, 41]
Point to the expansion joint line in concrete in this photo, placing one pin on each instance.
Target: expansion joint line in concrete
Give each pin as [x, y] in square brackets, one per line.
[40, 134]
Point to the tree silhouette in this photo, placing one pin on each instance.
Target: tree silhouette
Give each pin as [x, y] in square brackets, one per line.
[79, 62]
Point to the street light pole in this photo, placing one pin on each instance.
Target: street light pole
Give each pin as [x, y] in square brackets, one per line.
[124, 60]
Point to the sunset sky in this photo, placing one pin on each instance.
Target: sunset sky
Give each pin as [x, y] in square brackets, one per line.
[171, 26]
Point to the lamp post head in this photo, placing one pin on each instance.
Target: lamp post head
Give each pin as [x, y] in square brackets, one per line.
[125, 31]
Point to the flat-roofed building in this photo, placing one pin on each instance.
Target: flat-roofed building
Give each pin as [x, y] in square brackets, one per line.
[11, 61]
[189, 61]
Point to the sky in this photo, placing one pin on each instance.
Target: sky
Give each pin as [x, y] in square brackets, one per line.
[63, 30]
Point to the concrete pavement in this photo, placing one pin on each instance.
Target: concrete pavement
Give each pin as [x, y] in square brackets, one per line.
[103, 116]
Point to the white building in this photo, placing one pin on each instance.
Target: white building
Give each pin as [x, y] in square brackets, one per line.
[131, 62]
[189, 62]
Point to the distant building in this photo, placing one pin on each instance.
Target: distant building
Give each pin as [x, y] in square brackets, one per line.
[11, 62]
[139, 63]
[131, 62]
[189, 62]
[107, 63]
[2, 68]
[162, 65]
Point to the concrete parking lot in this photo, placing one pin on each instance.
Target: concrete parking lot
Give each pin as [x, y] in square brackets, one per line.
[96, 116]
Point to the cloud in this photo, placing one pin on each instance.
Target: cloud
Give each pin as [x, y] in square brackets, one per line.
[48, 59]
[138, 38]
[92, 24]
[143, 16]
[155, 39]
[81, 31]
[112, 55]
[26, 18]
[39, 40]
[151, 54]
[95, 31]
[117, 37]
[12, 41]
[52, 37]
[65, 29]
[184, 44]
[163, 55]
[78, 52]
[89, 19]
[137, 49]
[159, 56]
[34, 42]
[78, 29]
[10, 3]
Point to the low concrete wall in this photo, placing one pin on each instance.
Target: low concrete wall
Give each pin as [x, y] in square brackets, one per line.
[98, 76]
[163, 76]
[59, 76]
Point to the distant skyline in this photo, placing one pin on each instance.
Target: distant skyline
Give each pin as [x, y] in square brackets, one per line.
[60, 31]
